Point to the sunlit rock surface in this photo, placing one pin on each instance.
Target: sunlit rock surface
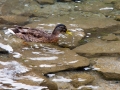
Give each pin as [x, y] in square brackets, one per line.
[51, 58]
[109, 67]
[99, 47]
[110, 37]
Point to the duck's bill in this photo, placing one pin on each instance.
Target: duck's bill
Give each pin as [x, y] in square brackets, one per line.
[68, 32]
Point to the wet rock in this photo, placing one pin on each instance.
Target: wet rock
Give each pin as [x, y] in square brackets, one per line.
[117, 5]
[117, 18]
[109, 1]
[13, 19]
[64, 0]
[91, 6]
[25, 7]
[81, 79]
[110, 37]
[33, 8]
[86, 88]
[109, 67]
[50, 84]
[46, 58]
[46, 1]
[98, 47]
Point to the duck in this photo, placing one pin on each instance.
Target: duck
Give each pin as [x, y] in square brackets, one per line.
[36, 35]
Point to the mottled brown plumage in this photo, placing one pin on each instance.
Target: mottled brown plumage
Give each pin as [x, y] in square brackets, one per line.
[35, 35]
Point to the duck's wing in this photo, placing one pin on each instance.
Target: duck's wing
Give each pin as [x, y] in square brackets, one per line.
[32, 32]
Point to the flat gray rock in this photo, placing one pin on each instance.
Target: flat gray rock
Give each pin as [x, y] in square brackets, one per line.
[98, 47]
[109, 67]
[50, 58]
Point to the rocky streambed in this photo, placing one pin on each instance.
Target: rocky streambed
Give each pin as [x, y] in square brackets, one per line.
[89, 59]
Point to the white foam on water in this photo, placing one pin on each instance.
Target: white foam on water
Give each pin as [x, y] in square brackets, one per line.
[46, 65]
[95, 68]
[80, 79]
[16, 55]
[61, 79]
[44, 58]
[52, 50]
[12, 68]
[6, 47]
[50, 75]
[90, 86]
[73, 61]
[8, 75]
[36, 52]
[36, 79]
[107, 8]
[87, 68]
[73, 25]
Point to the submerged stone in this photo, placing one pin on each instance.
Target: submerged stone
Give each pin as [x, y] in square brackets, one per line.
[109, 67]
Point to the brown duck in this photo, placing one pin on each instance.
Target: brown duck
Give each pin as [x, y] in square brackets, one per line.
[35, 35]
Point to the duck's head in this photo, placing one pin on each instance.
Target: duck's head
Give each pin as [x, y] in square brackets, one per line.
[61, 28]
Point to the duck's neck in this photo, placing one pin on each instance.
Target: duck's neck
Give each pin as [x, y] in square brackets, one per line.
[53, 37]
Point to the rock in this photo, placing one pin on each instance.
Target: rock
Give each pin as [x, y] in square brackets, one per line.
[13, 19]
[91, 6]
[53, 59]
[117, 18]
[110, 37]
[64, 0]
[109, 1]
[46, 1]
[85, 22]
[26, 7]
[98, 47]
[50, 84]
[81, 79]
[33, 8]
[117, 5]
[109, 67]
[86, 88]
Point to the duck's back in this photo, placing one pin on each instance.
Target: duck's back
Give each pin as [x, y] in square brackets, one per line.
[29, 34]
